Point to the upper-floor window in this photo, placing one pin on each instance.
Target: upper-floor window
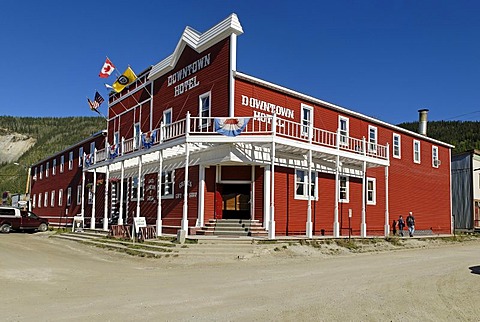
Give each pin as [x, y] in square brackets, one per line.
[34, 201]
[80, 156]
[136, 135]
[435, 160]
[60, 197]
[307, 119]
[40, 200]
[35, 173]
[52, 199]
[54, 167]
[344, 191]
[372, 139]
[167, 116]
[79, 194]
[62, 163]
[45, 201]
[301, 181]
[92, 148]
[205, 109]
[397, 143]
[416, 151]
[47, 166]
[116, 137]
[168, 178]
[69, 196]
[41, 171]
[135, 185]
[70, 160]
[371, 191]
[343, 128]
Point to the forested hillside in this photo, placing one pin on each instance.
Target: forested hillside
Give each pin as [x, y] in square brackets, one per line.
[52, 134]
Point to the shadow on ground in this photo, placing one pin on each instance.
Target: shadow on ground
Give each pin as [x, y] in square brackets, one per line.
[475, 269]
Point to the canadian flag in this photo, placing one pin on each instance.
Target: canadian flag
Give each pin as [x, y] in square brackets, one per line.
[107, 69]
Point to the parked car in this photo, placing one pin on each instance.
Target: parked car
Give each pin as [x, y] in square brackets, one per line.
[13, 218]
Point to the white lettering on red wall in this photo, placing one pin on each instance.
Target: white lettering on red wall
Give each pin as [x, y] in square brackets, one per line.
[267, 107]
[188, 70]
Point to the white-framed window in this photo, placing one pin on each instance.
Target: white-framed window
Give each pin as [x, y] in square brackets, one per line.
[34, 201]
[372, 139]
[397, 146]
[371, 191]
[80, 156]
[92, 148]
[52, 199]
[70, 160]
[54, 167]
[416, 151]
[47, 166]
[69, 196]
[136, 135]
[60, 197]
[135, 185]
[35, 174]
[168, 179]
[205, 109]
[116, 137]
[41, 171]
[90, 196]
[79, 194]
[301, 185]
[45, 200]
[307, 119]
[435, 160]
[40, 200]
[344, 193]
[344, 129]
[167, 116]
[62, 163]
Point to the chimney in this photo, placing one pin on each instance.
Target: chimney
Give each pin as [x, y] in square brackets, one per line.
[422, 121]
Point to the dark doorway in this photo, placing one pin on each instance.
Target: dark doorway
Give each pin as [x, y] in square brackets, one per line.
[235, 201]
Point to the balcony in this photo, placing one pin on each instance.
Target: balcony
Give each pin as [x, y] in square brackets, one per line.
[193, 129]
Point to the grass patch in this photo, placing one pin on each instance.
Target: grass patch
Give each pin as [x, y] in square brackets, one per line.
[394, 240]
[348, 244]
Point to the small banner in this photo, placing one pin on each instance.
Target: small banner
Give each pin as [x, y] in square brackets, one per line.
[230, 126]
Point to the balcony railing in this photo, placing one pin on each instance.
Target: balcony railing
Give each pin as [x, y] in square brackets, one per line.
[194, 126]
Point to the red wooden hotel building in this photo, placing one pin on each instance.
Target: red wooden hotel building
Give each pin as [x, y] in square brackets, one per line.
[229, 145]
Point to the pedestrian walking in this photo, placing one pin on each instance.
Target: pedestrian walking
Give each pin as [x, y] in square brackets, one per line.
[411, 224]
[394, 227]
[401, 224]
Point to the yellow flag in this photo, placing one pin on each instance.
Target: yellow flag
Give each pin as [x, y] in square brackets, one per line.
[126, 79]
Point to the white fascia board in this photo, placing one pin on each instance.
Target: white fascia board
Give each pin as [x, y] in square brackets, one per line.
[198, 41]
[346, 111]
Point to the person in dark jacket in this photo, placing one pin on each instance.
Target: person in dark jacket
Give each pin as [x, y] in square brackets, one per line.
[411, 224]
[401, 224]
[394, 227]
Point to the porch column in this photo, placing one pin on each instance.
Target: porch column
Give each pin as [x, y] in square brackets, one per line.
[122, 174]
[363, 224]
[139, 184]
[336, 224]
[201, 197]
[94, 203]
[105, 210]
[387, 214]
[184, 226]
[159, 193]
[309, 227]
[266, 196]
[271, 228]
[83, 192]
[252, 194]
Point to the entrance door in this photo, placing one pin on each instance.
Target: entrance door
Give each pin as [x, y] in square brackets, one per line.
[236, 201]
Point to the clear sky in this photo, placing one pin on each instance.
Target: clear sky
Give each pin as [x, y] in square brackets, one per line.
[385, 59]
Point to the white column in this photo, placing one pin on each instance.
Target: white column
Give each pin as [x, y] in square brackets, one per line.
[83, 192]
[266, 196]
[336, 224]
[233, 68]
[105, 211]
[387, 214]
[252, 194]
[363, 224]
[201, 196]
[271, 228]
[139, 184]
[94, 203]
[120, 198]
[184, 226]
[309, 225]
[159, 193]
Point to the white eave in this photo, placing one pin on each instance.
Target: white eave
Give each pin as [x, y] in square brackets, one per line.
[346, 111]
[198, 41]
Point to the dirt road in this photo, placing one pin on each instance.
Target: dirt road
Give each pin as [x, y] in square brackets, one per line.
[46, 279]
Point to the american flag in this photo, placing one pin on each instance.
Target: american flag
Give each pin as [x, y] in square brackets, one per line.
[97, 101]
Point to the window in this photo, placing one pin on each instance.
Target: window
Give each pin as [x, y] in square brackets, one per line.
[372, 139]
[397, 152]
[307, 117]
[371, 191]
[69, 196]
[45, 200]
[35, 174]
[301, 189]
[167, 116]
[60, 197]
[344, 193]
[41, 172]
[70, 160]
[167, 184]
[90, 196]
[80, 157]
[79, 194]
[435, 160]
[204, 110]
[62, 162]
[116, 137]
[343, 128]
[136, 135]
[135, 186]
[34, 201]
[92, 148]
[47, 165]
[416, 151]
[54, 167]
[52, 199]
[40, 200]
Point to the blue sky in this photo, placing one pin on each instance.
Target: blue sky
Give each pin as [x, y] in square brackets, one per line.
[385, 59]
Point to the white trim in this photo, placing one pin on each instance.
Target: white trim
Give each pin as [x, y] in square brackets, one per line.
[307, 189]
[170, 111]
[374, 191]
[233, 68]
[415, 142]
[200, 108]
[305, 128]
[372, 145]
[394, 135]
[344, 137]
[347, 189]
[435, 161]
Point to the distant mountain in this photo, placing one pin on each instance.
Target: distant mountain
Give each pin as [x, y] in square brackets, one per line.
[27, 140]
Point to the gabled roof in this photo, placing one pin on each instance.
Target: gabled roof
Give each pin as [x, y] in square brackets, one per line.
[198, 41]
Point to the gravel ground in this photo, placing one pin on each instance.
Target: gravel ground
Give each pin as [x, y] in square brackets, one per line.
[47, 279]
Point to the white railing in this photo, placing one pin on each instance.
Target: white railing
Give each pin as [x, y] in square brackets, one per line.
[257, 126]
